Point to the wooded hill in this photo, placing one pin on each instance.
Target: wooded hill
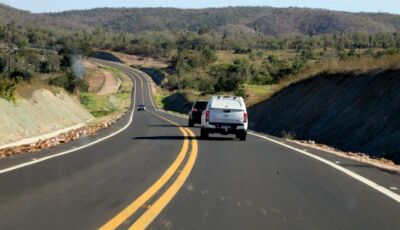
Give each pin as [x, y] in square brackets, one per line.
[265, 20]
[24, 18]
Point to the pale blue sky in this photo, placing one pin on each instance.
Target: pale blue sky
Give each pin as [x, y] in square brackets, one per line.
[392, 6]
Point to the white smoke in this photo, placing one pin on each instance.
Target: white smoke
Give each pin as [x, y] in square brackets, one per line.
[77, 67]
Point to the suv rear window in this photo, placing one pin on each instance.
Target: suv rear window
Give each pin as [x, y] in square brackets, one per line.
[226, 103]
[201, 105]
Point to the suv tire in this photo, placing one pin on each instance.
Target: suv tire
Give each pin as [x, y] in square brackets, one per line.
[241, 135]
[203, 133]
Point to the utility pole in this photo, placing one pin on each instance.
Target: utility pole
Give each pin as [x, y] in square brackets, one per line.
[9, 48]
[10, 33]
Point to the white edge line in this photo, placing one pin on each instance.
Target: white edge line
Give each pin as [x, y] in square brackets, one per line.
[350, 173]
[81, 147]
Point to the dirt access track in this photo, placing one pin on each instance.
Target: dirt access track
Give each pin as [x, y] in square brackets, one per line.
[101, 81]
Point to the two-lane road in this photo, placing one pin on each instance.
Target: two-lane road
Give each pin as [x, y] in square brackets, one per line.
[156, 174]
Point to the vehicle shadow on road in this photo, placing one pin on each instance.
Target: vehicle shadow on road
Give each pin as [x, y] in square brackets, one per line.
[183, 138]
[170, 126]
[162, 126]
[161, 138]
[216, 139]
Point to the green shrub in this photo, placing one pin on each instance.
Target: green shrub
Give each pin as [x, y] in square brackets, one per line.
[239, 50]
[288, 135]
[206, 85]
[85, 100]
[240, 92]
[45, 67]
[70, 83]
[82, 85]
[273, 59]
[7, 88]
[19, 75]
[2, 64]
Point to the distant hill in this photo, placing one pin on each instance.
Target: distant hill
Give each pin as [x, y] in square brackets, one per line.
[25, 18]
[265, 20]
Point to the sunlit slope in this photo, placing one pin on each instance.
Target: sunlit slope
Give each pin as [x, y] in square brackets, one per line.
[43, 113]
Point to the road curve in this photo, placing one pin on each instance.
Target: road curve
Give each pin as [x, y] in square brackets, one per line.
[219, 183]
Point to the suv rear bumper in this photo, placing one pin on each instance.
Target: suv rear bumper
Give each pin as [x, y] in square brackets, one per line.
[225, 128]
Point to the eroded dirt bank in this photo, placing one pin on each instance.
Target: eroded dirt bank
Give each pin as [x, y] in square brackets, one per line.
[350, 112]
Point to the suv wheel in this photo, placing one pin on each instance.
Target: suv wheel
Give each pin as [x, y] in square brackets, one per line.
[190, 123]
[241, 135]
[203, 133]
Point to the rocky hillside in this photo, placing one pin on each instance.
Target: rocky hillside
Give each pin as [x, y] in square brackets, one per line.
[351, 112]
[43, 113]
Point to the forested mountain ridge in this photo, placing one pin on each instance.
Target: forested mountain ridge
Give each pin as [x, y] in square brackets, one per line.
[266, 20]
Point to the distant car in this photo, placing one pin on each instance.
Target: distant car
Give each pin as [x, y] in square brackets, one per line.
[195, 112]
[141, 107]
[225, 115]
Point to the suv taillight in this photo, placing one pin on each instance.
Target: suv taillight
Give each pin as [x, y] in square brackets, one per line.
[244, 117]
[194, 110]
[207, 115]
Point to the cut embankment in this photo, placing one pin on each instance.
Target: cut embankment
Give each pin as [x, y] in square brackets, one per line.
[45, 116]
[350, 112]
[45, 112]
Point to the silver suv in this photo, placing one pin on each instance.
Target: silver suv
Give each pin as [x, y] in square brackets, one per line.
[225, 115]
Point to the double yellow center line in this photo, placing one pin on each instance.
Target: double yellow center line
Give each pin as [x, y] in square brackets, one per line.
[155, 208]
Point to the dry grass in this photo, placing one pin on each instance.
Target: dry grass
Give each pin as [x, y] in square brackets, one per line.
[26, 89]
[257, 93]
[334, 66]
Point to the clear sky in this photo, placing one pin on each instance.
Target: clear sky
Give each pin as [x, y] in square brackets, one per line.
[391, 6]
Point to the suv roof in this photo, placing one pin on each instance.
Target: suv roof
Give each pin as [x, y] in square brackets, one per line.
[226, 97]
[222, 102]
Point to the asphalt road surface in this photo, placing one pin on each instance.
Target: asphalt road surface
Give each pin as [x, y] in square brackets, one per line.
[151, 171]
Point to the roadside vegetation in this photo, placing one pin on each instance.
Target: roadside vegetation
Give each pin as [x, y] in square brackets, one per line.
[26, 58]
[256, 74]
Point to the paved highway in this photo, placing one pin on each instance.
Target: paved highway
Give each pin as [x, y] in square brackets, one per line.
[150, 171]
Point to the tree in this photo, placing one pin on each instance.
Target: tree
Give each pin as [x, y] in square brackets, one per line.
[22, 42]
[66, 61]
[44, 67]
[273, 59]
[209, 56]
[7, 87]
[230, 77]
[2, 64]
[69, 82]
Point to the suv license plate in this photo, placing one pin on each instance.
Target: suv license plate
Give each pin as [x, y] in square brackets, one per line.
[225, 127]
